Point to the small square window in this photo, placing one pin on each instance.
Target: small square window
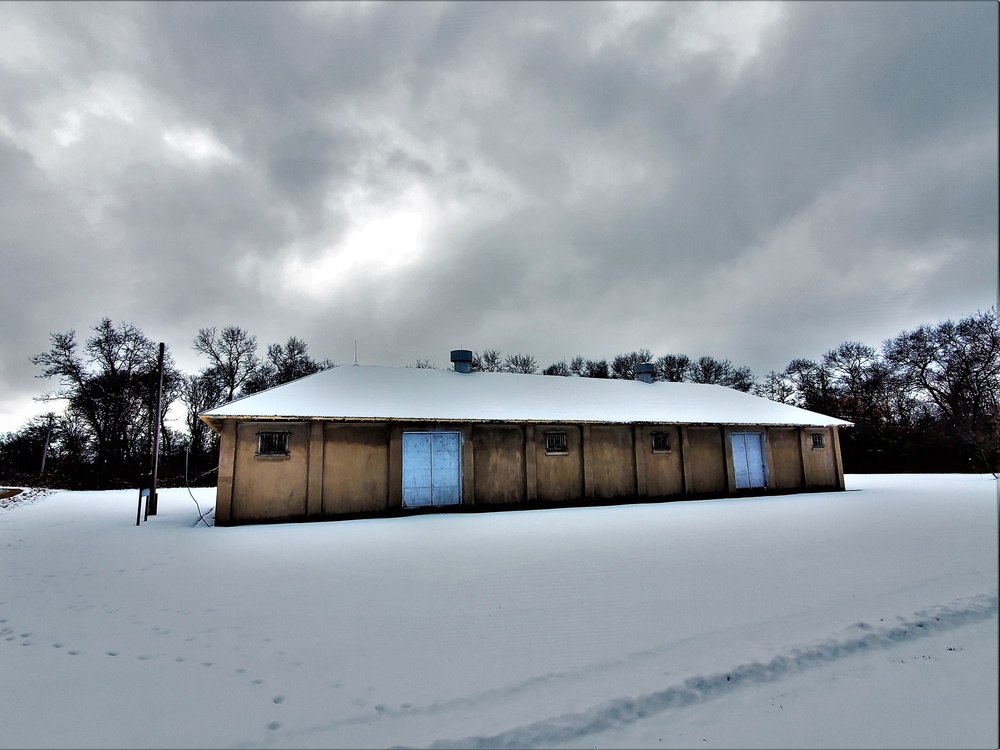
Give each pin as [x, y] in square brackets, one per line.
[661, 442]
[555, 442]
[818, 440]
[271, 443]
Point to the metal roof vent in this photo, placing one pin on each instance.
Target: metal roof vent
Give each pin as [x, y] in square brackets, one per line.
[644, 372]
[462, 359]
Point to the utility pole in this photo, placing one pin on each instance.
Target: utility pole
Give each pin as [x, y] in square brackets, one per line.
[48, 438]
[151, 503]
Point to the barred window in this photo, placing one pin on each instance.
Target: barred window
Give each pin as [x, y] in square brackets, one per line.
[555, 442]
[661, 442]
[272, 443]
[817, 440]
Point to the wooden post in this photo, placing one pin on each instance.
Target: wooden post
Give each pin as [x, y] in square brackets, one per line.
[686, 468]
[314, 471]
[530, 467]
[588, 462]
[48, 437]
[151, 503]
[639, 448]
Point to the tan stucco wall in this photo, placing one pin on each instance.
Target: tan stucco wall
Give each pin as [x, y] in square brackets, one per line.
[704, 460]
[227, 461]
[663, 472]
[499, 464]
[345, 468]
[270, 487]
[784, 458]
[558, 478]
[612, 460]
[355, 468]
[820, 465]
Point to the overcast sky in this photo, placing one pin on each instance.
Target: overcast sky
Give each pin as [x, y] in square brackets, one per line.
[752, 182]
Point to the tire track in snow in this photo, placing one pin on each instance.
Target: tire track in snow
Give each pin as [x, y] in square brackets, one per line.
[859, 637]
[472, 700]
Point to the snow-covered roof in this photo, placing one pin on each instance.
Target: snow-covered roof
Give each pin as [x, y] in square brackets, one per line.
[367, 392]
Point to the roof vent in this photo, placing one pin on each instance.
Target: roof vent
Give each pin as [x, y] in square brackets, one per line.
[644, 372]
[462, 359]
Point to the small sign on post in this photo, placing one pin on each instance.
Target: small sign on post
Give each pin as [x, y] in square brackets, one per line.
[145, 491]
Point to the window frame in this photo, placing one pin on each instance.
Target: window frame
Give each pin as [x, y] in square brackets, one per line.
[664, 436]
[553, 439]
[817, 441]
[280, 438]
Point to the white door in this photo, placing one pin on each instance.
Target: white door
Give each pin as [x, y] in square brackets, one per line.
[432, 469]
[748, 459]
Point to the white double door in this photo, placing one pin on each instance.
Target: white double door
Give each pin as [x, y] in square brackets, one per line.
[432, 469]
[748, 459]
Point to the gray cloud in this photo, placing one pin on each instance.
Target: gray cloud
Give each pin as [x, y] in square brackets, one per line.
[753, 182]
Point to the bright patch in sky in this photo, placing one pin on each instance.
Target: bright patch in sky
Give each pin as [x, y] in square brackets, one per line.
[381, 239]
[733, 30]
[197, 145]
[71, 129]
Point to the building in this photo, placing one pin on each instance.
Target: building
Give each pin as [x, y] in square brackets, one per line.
[364, 440]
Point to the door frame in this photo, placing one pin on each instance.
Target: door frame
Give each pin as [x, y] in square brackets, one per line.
[460, 466]
[761, 433]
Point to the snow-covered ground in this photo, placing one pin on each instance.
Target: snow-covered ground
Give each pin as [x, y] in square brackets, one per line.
[866, 618]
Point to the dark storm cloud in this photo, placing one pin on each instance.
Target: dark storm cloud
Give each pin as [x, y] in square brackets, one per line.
[48, 260]
[757, 183]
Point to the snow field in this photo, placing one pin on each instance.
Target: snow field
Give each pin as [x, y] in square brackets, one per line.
[863, 618]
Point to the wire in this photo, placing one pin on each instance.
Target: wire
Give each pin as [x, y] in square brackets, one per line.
[201, 516]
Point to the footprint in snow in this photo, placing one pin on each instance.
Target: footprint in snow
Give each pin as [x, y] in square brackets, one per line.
[274, 725]
[278, 699]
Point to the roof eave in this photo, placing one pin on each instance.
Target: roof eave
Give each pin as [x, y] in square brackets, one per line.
[216, 422]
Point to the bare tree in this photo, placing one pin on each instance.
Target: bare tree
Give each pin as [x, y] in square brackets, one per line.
[284, 364]
[292, 361]
[520, 363]
[557, 368]
[110, 389]
[777, 387]
[811, 386]
[673, 368]
[721, 372]
[710, 370]
[623, 365]
[232, 356]
[596, 369]
[200, 394]
[740, 379]
[489, 361]
[955, 369]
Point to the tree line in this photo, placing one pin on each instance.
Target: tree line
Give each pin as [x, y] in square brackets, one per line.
[104, 435]
[670, 367]
[928, 400]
